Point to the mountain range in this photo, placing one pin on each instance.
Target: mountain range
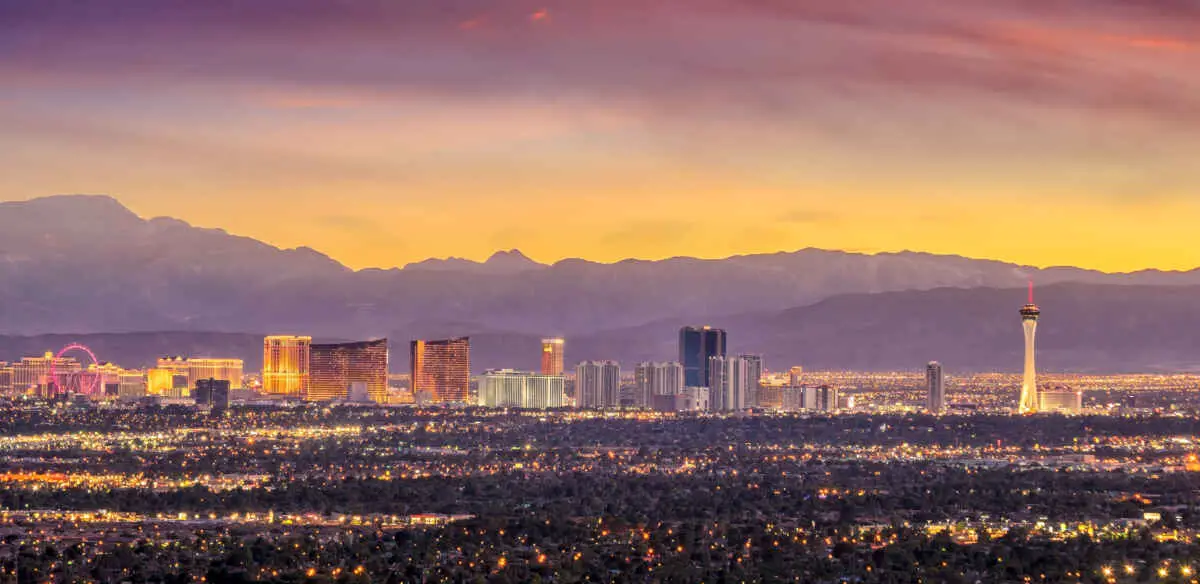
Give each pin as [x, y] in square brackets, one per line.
[88, 268]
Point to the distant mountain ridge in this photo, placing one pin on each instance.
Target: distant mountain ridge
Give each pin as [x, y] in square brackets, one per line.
[502, 262]
[1084, 328]
[86, 264]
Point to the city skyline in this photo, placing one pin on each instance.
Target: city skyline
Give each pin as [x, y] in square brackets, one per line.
[599, 291]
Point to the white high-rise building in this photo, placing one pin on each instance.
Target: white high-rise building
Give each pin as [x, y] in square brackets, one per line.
[809, 398]
[598, 384]
[505, 388]
[754, 369]
[657, 379]
[827, 398]
[732, 382]
[1029, 392]
[935, 397]
[545, 391]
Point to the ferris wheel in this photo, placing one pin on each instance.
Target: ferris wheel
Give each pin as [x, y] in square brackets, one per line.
[80, 381]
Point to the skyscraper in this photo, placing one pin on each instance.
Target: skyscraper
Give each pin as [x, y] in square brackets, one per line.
[335, 367]
[754, 368]
[716, 383]
[827, 398]
[213, 392]
[697, 346]
[654, 379]
[552, 356]
[731, 381]
[442, 369]
[1029, 318]
[285, 365]
[598, 384]
[935, 397]
[505, 388]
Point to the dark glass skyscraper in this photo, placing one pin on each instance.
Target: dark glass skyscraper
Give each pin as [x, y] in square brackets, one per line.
[213, 392]
[696, 345]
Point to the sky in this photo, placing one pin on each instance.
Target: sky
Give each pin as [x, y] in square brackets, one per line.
[381, 132]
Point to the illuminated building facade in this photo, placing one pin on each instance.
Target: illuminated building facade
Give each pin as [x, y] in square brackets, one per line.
[286, 365]
[167, 383]
[109, 379]
[769, 395]
[598, 384]
[795, 375]
[441, 369]
[935, 388]
[176, 365]
[334, 368]
[697, 347]
[230, 370]
[811, 398]
[32, 374]
[655, 379]
[1029, 319]
[552, 356]
[6, 377]
[1060, 400]
[506, 388]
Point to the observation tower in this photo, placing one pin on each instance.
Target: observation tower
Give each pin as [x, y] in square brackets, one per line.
[1029, 391]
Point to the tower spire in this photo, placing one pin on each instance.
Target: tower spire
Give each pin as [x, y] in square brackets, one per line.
[1029, 392]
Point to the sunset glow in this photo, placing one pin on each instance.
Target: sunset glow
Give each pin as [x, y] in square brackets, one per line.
[383, 133]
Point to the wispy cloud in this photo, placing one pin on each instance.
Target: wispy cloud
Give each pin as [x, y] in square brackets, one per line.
[712, 53]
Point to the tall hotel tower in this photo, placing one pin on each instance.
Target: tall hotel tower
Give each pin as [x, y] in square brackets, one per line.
[598, 384]
[1029, 391]
[285, 365]
[334, 368]
[442, 369]
[552, 356]
[697, 346]
[935, 396]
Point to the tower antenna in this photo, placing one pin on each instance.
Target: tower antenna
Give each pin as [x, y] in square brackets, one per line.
[1031, 291]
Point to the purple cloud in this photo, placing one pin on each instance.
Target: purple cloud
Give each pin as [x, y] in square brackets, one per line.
[760, 56]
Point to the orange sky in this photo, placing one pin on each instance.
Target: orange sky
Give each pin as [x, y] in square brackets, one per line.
[385, 134]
